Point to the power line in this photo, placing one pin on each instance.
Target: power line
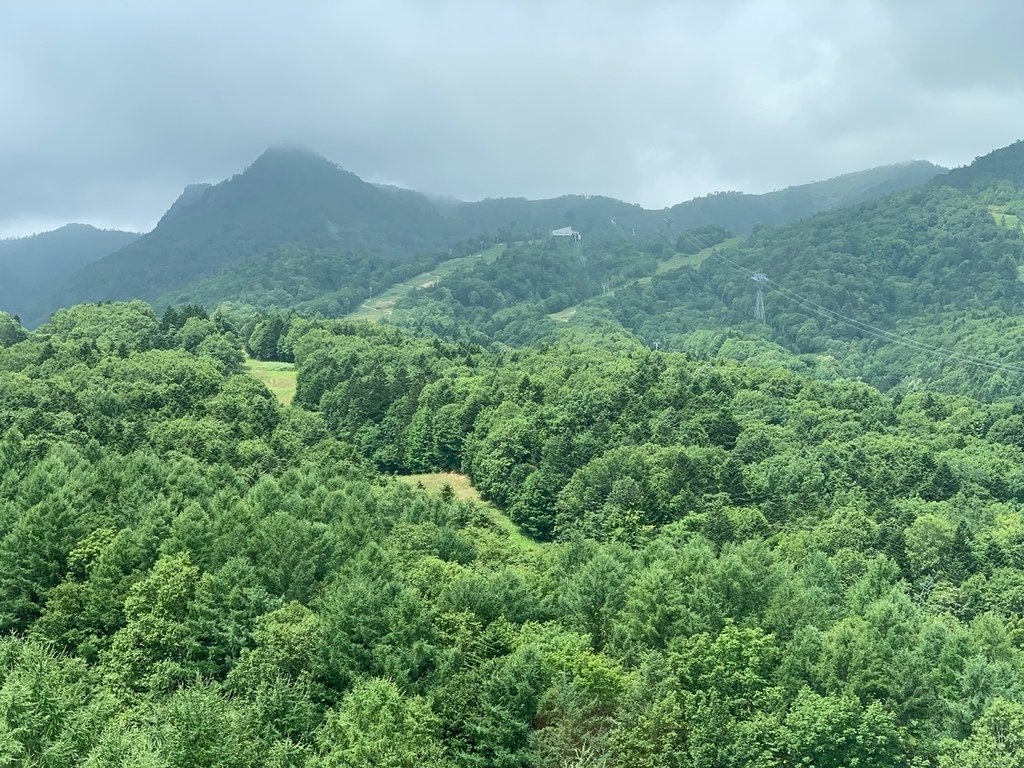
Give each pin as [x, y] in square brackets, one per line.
[860, 325]
[760, 278]
[873, 330]
[895, 338]
[864, 327]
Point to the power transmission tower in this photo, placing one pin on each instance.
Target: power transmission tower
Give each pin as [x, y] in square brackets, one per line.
[760, 278]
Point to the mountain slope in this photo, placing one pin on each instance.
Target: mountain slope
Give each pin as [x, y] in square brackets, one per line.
[509, 300]
[586, 213]
[1004, 165]
[739, 212]
[919, 287]
[285, 197]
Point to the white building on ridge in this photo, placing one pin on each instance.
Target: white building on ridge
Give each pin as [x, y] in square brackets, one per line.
[567, 232]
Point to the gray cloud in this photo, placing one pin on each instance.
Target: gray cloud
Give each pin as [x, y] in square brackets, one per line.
[111, 108]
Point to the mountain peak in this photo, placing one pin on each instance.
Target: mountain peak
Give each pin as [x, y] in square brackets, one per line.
[297, 169]
[289, 148]
[291, 156]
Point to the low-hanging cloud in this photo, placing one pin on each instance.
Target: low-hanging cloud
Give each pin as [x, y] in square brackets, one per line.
[111, 108]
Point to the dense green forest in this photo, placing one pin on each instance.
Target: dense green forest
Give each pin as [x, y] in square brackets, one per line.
[328, 281]
[509, 299]
[730, 565]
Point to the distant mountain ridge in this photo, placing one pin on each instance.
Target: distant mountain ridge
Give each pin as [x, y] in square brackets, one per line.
[227, 236]
[937, 269]
[740, 212]
[737, 211]
[31, 266]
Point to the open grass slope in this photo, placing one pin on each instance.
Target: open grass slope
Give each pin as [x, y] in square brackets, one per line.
[1004, 219]
[279, 378]
[681, 260]
[564, 315]
[462, 487]
[379, 307]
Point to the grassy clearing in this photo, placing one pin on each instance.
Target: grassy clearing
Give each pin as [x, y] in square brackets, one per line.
[433, 482]
[1004, 219]
[279, 378]
[564, 316]
[681, 260]
[379, 307]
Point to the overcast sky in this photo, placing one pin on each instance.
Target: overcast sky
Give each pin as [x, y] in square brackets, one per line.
[108, 109]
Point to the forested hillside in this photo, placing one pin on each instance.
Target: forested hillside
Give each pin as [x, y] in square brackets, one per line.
[919, 288]
[415, 454]
[782, 544]
[509, 300]
[741, 557]
[998, 167]
[32, 268]
[903, 290]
